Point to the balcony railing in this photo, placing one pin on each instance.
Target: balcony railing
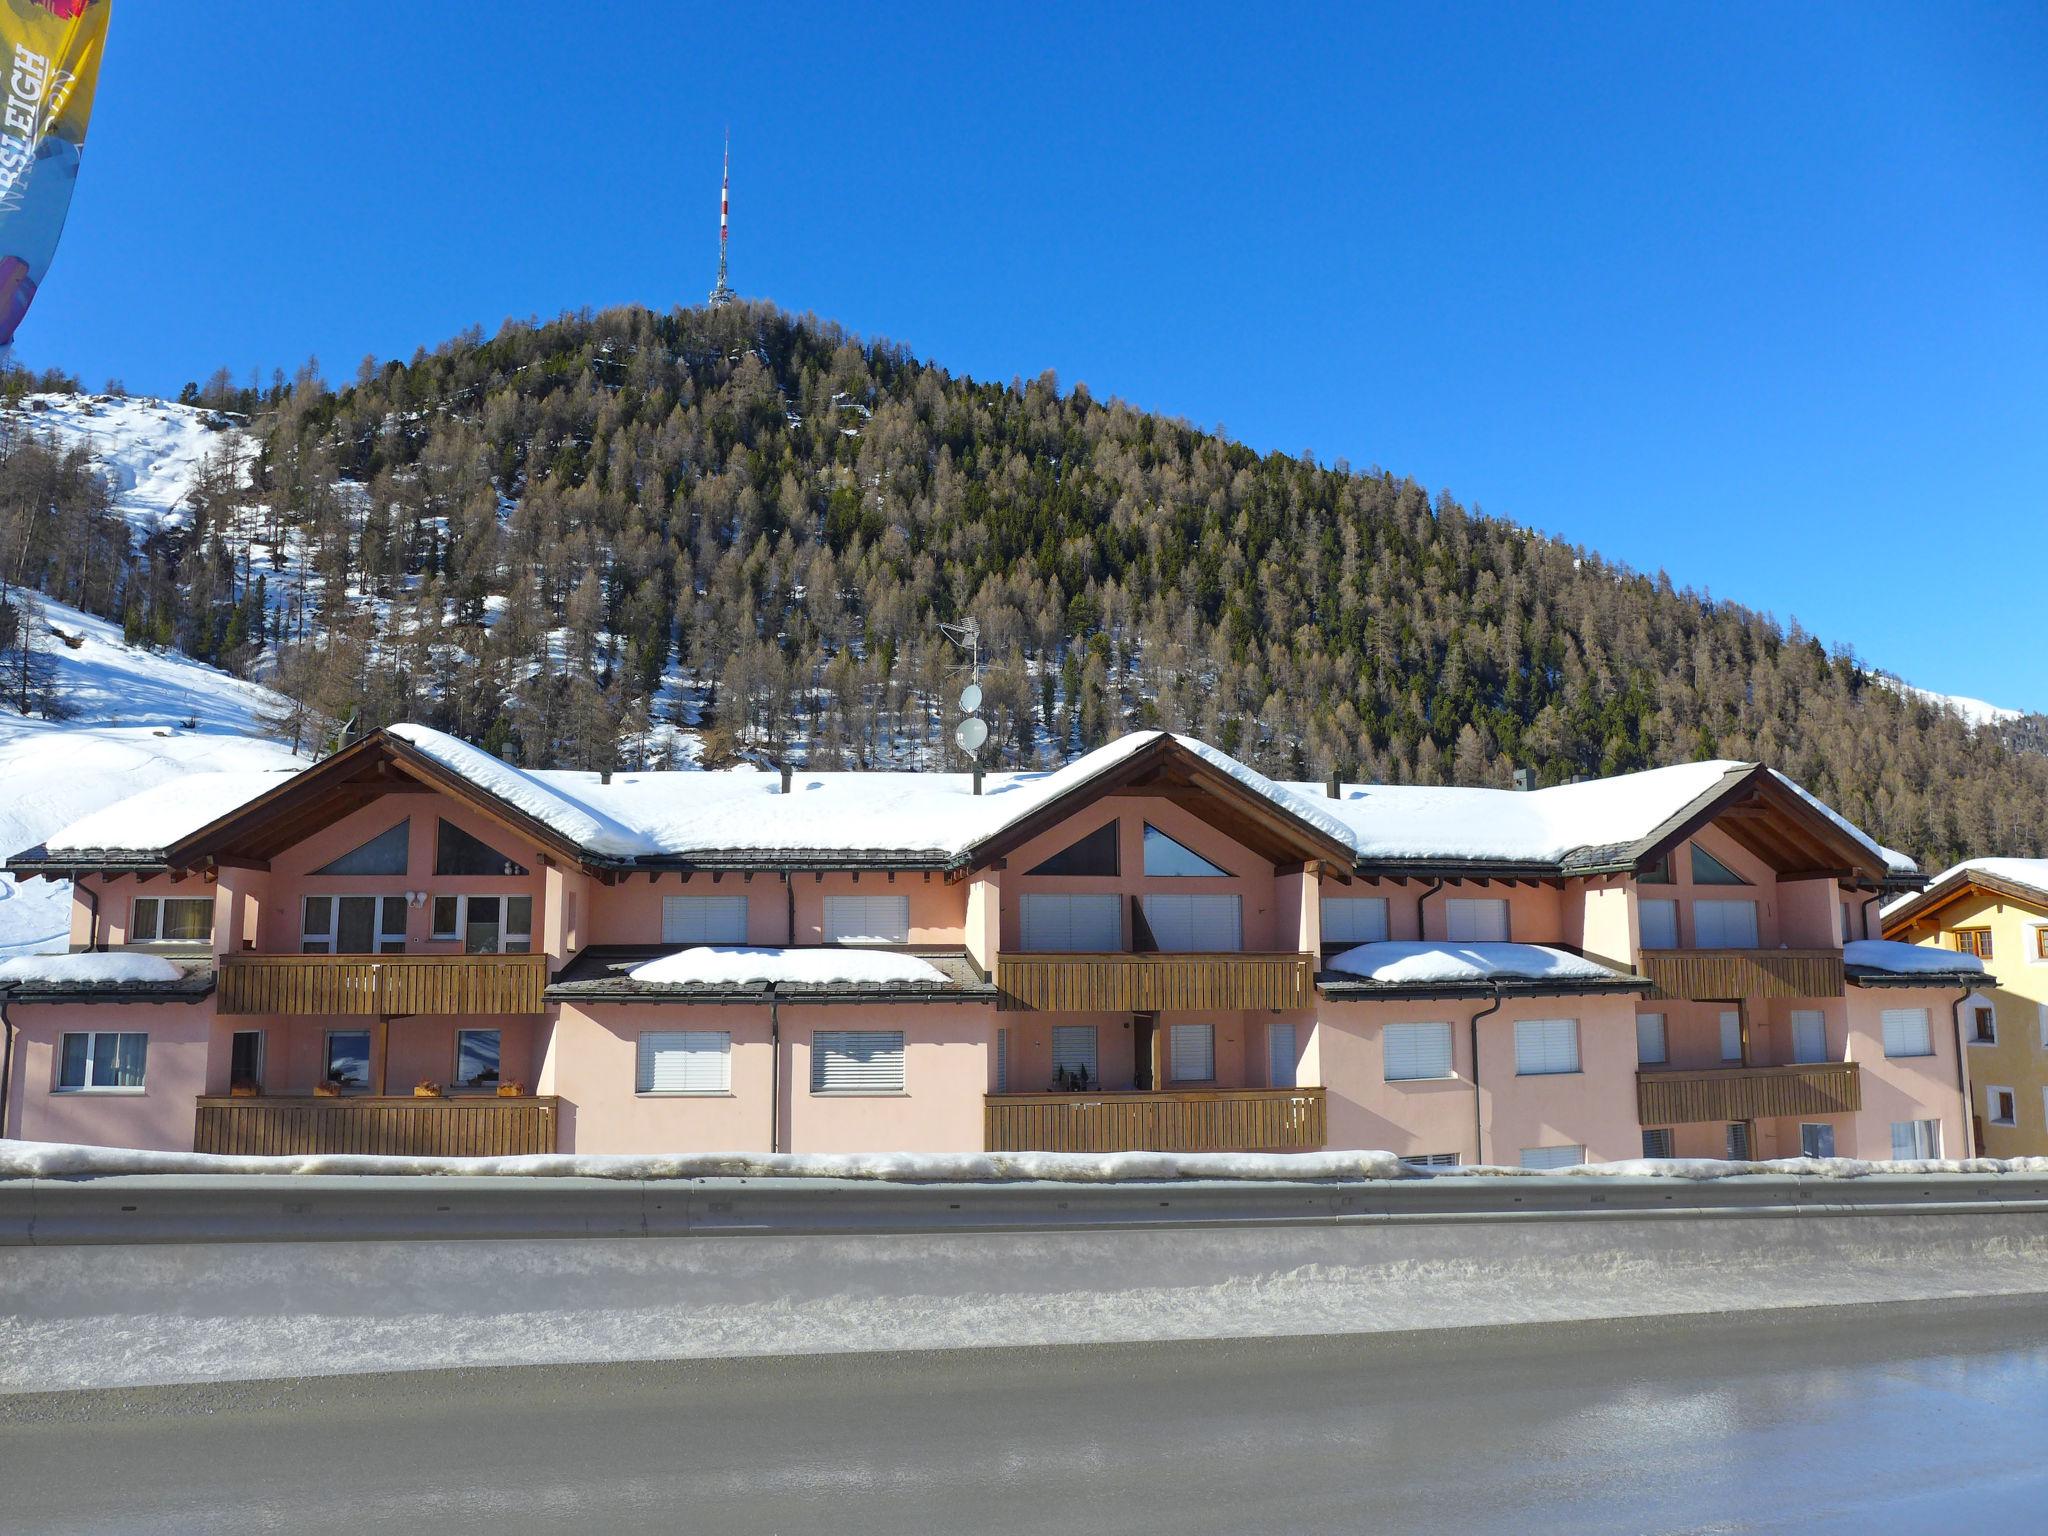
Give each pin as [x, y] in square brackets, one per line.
[381, 986]
[401, 1127]
[1749, 1093]
[1725, 975]
[1193, 1120]
[1131, 983]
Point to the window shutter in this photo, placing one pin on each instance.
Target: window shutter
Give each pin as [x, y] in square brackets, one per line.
[1073, 924]
[1731, 1035]
[1412, 1051]
[1553, 1157]
[1659, 920]
[1650, 1045]
[1194, 1052]
[1657, 1143]
[1002, 1061]
[1906, 1033]
[1073, 1050]
[1196, 924]
[867, 919]
[703, 919]
[1354, 919]
[686, 1061]
[1724, 925]
[1545, 1046]
[1809, 1035]
[1280, 1056]
[1476, 920]
[857, 1061]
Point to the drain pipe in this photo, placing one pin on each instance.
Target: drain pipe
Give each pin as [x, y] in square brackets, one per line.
[774, 1072]
[6, 1060]
[1478, 1112]
[1955, 1012]
[1436, 883]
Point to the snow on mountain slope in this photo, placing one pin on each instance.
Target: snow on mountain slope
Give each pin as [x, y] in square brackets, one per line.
[149, 450]
[1975, 712]
[127, 733]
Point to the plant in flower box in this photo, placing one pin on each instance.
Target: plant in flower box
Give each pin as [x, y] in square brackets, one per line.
[511, 1090]
[426, 1090]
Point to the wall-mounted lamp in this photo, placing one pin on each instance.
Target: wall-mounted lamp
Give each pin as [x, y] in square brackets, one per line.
[416, 899]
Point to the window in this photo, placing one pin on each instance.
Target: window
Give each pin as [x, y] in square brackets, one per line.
[384, 854]
[2041, 1023]
[694, 1061]
[1553, 1157]
[1816, 1139]
[1731, 1034]
[1651, 1049]
[1657, 1143]
[170, 920]
[102, 1063]
[1983, 1024]
[476, 1058]
[857, 1061]
[703, 919]
[1916, 1140]
[1906, 1033]
[487, 925]
[1073, 924]
[867, 919]
[2002, 1106]
[1737, 1141]
[353, 925]
[1431, 1159]
[1974, 941]
[1280, 1057]
[245, 1058]
[1002, 1061]
[1096, 854]
[1708, 870]
[1192, 1052]
[1476, 920]
[347, 1059]
[1809, 1035]
[1546, 1046]
[2041, 942]
[1414, 1051]
[1073, 1055]
[1196, 924]
[1724, 925]
[1848, 922]
[1164, 856]
[1354, 919]
[1657, 871]
[457, 853]
[1659, 920]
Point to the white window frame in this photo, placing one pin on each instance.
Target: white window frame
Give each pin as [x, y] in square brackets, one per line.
[92, 1038]
[705, 1071]
[861, 918]
[1180, 919]
[1362, 919]
[1925, 1136]
[1188, 1047]
[701, 919]
[1820, 1021]
[332, 936]
[1550, 1045]
[262, 1038]
[891, 1085]
[456, 1084]
[1283, 1068]
[1991, 1093]
[159, 911]
[1985, 1005]
[1411, 1051]
[1923, 1034]
[1660, 1031]
[1070, 922]
[510, 942]
[1571, 1155]
[1666, 909]
[1467, 920]
[1720, 905]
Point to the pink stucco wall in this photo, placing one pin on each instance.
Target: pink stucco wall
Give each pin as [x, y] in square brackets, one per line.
[160, 1117]
[630, 912]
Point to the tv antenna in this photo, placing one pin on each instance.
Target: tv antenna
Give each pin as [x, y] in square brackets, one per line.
[971, 735]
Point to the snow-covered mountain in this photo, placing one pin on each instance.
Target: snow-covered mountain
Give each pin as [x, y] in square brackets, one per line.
[1975, 712]
[149, 450]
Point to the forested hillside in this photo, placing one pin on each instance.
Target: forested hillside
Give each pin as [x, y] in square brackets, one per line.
[567, 541]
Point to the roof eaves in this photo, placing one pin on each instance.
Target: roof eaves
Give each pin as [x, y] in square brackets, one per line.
[1868, 976]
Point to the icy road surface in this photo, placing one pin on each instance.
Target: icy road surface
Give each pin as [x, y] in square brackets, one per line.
[1852, 1420]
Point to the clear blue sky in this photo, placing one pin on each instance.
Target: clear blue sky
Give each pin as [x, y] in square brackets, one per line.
[1755, 295]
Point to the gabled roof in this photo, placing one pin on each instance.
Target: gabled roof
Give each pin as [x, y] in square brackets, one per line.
[2021, 881]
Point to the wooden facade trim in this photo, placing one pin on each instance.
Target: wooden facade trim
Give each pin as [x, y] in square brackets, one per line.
[381, 986]
[1729, 975]
[1749, 1093]
[1202, 1120]
[1150, 983]
[460, 1126]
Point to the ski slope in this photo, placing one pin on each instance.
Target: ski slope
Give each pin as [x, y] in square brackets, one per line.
[127, 732]
[149, 451]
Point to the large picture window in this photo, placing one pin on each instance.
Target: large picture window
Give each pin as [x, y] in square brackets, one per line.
[109, 1062]
[170, 920]
[346, 1061]
[485, 925]
[353, 925]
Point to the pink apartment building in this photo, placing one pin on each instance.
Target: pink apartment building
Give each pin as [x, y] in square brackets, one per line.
[413, 947]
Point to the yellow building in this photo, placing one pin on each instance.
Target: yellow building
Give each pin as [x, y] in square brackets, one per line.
[1996, 909]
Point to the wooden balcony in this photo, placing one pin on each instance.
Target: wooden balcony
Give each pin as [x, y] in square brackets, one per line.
[1727, 975]
[1749, 1093]
[381, 986]
[1148, 983]
[1186, 1120]
[396, 1127]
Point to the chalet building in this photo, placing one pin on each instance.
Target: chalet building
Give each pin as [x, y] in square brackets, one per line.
[413, 947]
[1995, 911]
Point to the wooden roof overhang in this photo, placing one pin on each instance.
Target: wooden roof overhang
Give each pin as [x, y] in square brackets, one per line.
[1928, 904]
[1766, 817]
[1169, 771]
[381, 764]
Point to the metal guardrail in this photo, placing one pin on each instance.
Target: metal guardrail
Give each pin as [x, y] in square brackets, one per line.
[216, 1208]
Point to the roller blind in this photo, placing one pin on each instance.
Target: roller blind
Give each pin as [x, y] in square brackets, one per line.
[1416, 1050]
[1084, 924]
[704, 919]
[1545, 1046]
[1280, 1056]
[867, 919]
[1073, 1050]
[1354, 919]
[1659, 919]
[1476, 920]
[686, 1061]
[857, 1061]
[1650, 1045]
[1201, 924]
[1724, 924]
[1809, 1035]
[1553, 1157]
[1906, 1032]
[1193, 1052]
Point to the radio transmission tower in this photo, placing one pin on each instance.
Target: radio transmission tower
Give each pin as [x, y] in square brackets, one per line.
[723, 295]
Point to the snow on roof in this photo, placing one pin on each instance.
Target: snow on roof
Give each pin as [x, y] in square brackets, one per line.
[2030, 873]
[101, 968]
[1907, 959]
[1408, 963]
[162, 814]
[1898, 863]
[749, 967]
[526, 792]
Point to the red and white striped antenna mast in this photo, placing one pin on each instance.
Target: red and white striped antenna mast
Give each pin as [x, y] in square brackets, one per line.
[723, 295]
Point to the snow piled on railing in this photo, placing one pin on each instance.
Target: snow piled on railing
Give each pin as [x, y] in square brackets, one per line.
[55, 1160]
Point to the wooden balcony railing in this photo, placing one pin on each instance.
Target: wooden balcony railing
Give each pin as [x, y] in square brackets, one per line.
[382, 986]
[1130, 983]
[1749, 1093]
[1725, 975]
[408, 1127]
[1189, 1120]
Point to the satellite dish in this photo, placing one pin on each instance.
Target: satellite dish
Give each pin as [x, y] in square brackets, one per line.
[971, 735]
[970, 697]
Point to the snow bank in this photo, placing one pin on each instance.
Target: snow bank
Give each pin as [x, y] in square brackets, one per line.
[1407, 962]
[708, 966]
[1907, 959]
[104, 968]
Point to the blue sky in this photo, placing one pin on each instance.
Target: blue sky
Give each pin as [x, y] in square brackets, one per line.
[1757, 295]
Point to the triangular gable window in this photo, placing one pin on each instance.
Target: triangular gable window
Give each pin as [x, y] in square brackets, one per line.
[457, 853]
[1164, 856]
[1094, 854]
[1708, 870]
[384, 854]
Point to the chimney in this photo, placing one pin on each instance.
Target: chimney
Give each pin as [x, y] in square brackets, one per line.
[1525, 778]
[787, 774]
[1332, 787]
[977, 778]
